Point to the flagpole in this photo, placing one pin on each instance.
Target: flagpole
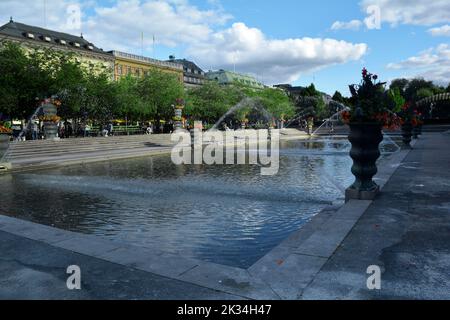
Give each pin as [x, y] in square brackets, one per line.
[154, 53]
[142, 43]
[45, 13]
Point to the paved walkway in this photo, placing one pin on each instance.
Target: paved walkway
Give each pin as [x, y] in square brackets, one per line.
[34, 270]
[406, 232]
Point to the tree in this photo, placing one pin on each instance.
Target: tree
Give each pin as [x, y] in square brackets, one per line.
[338, 97]
[159, 91]
[20, 82]
[100, 98]
[276, 102]
[414, 86]
[311, 103]
[401, 84]
[130, 104]
[424, 93]
[212, 100]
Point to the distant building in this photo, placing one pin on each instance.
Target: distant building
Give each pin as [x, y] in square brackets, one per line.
[193, 75]
[131, 64]
[227, 77]
[293, 92]
[30, 37]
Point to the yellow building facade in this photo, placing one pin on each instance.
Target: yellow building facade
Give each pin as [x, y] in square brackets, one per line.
[129, 64]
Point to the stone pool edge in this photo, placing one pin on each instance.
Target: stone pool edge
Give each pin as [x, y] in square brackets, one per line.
[283, 273]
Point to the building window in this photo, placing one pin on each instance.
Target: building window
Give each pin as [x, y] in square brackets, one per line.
[119, 70]
[128, 70]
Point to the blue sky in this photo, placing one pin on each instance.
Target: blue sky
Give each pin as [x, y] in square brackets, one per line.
[283, 41]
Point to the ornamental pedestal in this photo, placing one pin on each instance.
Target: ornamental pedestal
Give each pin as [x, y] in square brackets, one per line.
[407, 129]
[50, 127]
[4, 145]
[365, 139]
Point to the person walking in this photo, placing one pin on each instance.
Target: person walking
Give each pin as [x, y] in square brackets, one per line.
[110, 129]
[34, 131]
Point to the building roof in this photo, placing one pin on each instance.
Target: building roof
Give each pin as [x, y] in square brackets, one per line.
[41, 35]
[226, 77]
[146, 60]
[187, 64]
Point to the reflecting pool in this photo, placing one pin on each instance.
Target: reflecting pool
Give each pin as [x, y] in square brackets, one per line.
[224, 214]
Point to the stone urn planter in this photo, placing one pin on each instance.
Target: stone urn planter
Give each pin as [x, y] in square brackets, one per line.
[407, 130]
[419, 129]
[415, 132]
[50, 127]
[50, 130]
[365, 139]
[4, 143]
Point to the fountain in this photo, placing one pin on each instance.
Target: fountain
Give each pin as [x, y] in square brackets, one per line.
[33, 117]
[252, 104]
[334, 118]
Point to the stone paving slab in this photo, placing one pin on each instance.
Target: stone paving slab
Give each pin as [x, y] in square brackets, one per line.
[289, 276]
[229, 279]
[34, 270]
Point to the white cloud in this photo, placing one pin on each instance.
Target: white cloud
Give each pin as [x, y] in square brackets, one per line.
[172, 22]
[443, 31]
[53, 15]
[275, 60]
[432, 64]
[200, 32]
[414, 12]
[120, 24]
[351, 25]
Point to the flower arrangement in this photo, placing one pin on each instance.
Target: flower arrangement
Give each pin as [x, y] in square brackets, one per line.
[57, 102]
[179, 102]
[409, 114]
[5, 130]
[48, 118]
[371, 103]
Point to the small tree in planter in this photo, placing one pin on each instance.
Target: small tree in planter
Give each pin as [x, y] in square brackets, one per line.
[372, 109]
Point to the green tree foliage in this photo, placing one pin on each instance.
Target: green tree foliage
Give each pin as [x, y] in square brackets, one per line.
[159, 91]
[416, 89]
[210, 101]
[275, 101]
[20, 82]
[130, 104]
[414, 86]
[401, 84]
[424, 93]
[337, 96]
[311, 104]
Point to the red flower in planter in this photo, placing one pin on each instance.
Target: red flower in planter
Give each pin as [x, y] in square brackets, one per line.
[364, 72]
